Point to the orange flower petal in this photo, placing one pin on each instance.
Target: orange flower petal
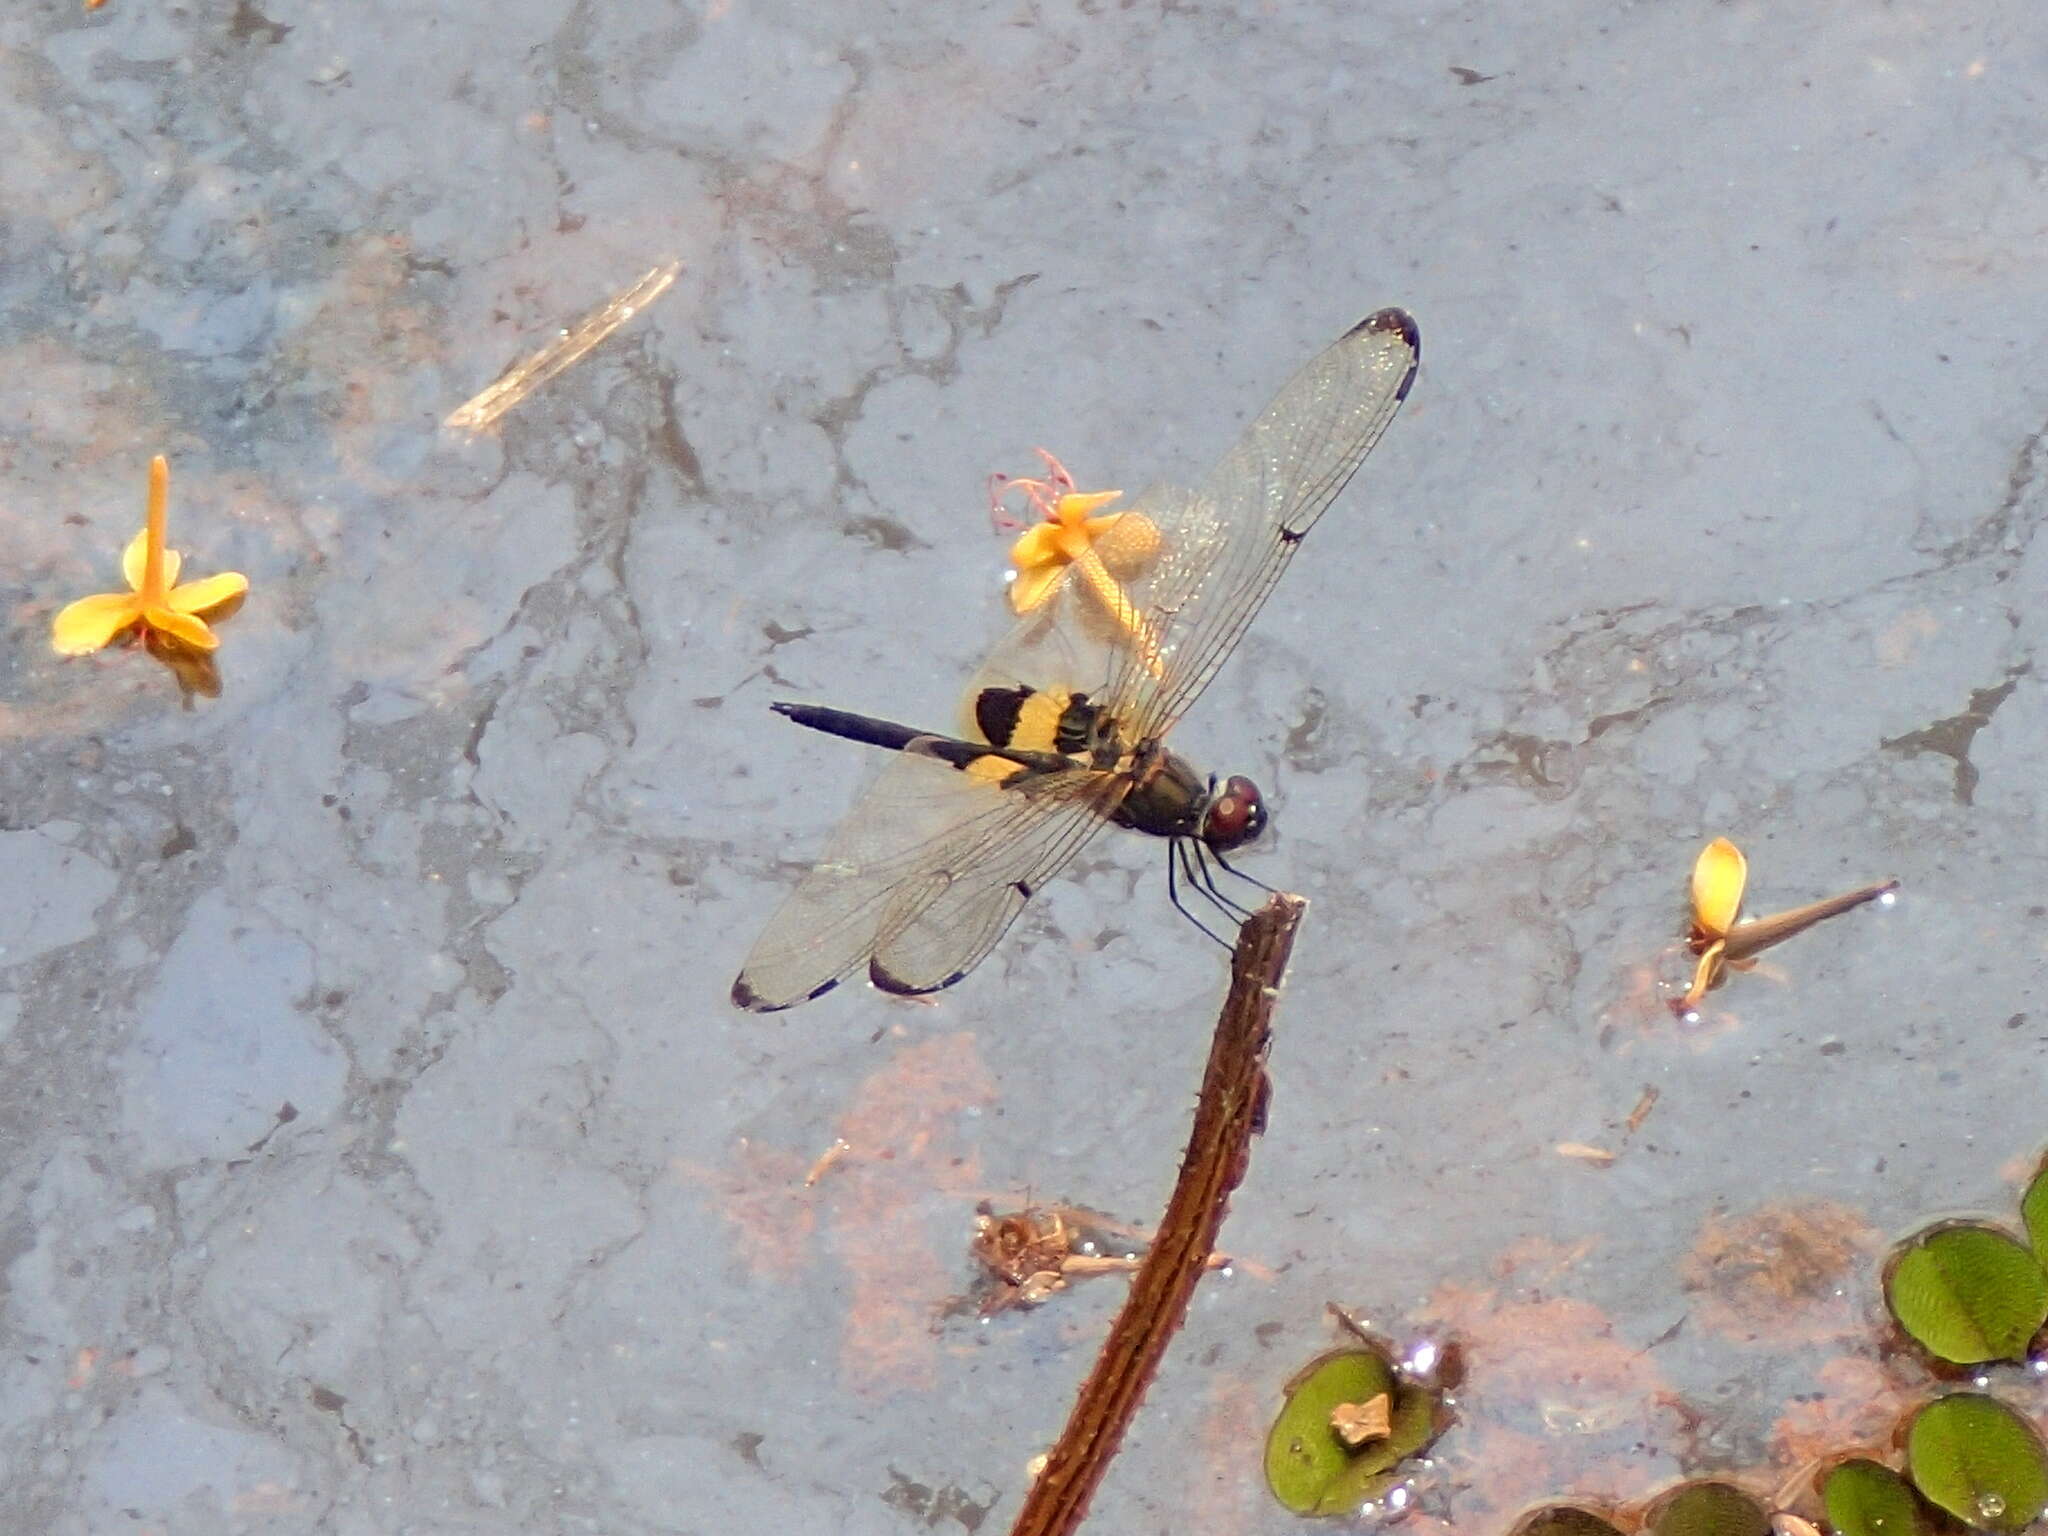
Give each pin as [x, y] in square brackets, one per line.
[1034, 585]
[91, 623]
[182, 627]
[1704, 975]
[1037, 545]
[136, 555]
[203, 596]
[1074, 507]
[1717, 881]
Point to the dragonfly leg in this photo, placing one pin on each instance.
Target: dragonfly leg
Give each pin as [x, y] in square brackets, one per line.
[1201, 853]
[1230, 868]
[1178, 866]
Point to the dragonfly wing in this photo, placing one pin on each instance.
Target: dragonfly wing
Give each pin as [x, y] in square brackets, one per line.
[922, 830]
[940, 925]
[1070, 643]
[1189, 568]
[1225, 543]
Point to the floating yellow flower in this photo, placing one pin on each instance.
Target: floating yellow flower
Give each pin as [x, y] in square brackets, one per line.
[1104, 550]
[1718, 878]
[157, 605]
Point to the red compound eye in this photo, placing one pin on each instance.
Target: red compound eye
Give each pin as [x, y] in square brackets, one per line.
[1236, 816]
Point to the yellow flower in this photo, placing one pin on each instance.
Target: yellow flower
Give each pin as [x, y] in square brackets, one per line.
[157, 604]
[1102, 549]
[1718, 878]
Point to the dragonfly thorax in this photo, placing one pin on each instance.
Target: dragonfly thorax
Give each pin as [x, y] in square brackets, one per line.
[1168, 798]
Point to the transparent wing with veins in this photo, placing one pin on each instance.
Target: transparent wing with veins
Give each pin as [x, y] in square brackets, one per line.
[1220, 546]
[928, 869]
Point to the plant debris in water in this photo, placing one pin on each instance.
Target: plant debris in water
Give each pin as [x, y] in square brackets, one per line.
[1719, 877]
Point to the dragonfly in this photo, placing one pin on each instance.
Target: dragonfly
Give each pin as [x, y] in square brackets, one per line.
[1063, 728]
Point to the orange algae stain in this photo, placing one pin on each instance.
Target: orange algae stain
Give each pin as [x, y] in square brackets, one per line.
[1781, 1275]
[1568, 1403]
[907, 1156]
[902, 1156]
[760, 1193]
[1857, 1404]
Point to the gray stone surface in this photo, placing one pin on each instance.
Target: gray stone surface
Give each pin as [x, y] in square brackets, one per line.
[378, 1150]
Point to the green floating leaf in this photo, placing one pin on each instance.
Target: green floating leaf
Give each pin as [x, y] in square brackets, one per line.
[1708, 1509]
[2034, 1211]
[1562, 1520]
[1303, 1454]
[1980, 1461]
[1968, 1294]
[1311, 1470]
[1375, 1468]
[1866, 1499]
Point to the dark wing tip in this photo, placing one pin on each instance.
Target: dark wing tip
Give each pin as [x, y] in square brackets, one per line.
[1388, 322]
[896, 986]
[1393, 320]
[744, 996]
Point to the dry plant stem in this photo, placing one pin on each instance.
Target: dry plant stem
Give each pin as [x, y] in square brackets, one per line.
[1231, 1110]
[1641, 1112]
[1082, 1265]
[565, 351]
[1746, 939]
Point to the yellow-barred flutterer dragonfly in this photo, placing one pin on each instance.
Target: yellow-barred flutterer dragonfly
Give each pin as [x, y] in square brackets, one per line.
[1064, 725]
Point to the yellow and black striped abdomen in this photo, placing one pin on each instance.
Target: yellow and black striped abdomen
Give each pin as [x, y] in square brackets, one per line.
[993, 769]
[1037, 720]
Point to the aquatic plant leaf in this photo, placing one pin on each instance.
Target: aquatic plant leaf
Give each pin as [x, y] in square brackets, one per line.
[1303, 1454]
[2034, 1212]
[1974, 1457]
[1373, 1469]
[1563, 1520]
[1968, 1294]
[1708, 1509]
[1310, 1469]
[1864, 1498]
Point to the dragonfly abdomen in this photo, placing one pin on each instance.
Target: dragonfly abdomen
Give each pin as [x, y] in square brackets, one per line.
[844, 722]
[1040, 720]
[999, 765]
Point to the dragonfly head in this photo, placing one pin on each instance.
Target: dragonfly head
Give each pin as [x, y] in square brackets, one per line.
[1235, 815]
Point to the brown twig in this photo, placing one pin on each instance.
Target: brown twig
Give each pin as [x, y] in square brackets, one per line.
[1231, 1110]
